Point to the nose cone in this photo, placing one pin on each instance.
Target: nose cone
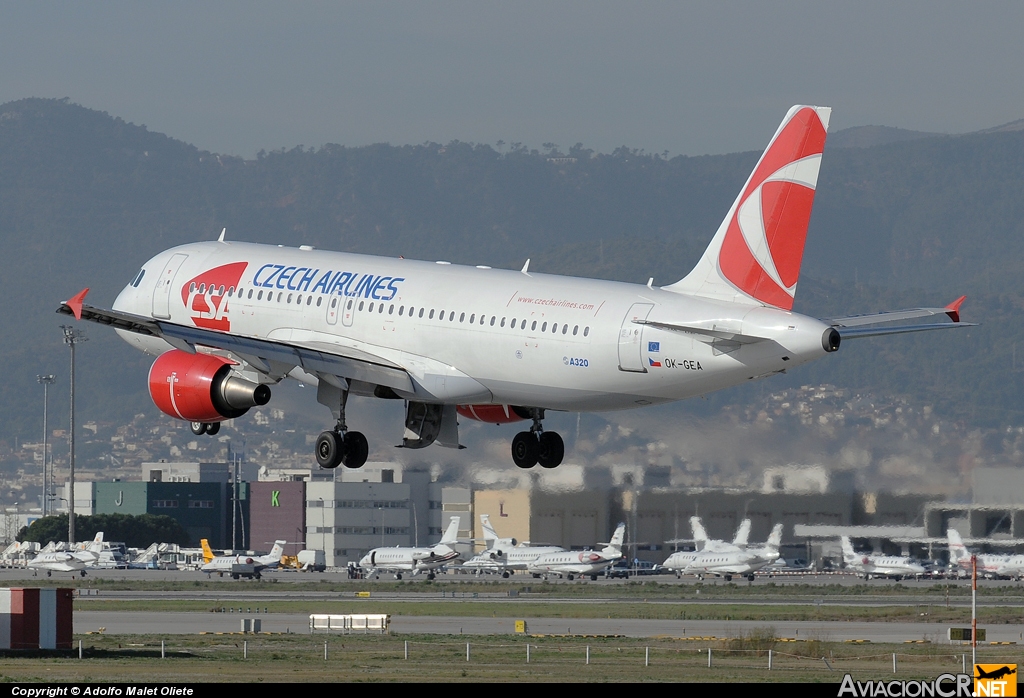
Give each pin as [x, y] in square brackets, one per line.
[365, 562]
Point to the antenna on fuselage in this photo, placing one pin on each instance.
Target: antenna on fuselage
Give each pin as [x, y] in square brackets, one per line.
[220, 238]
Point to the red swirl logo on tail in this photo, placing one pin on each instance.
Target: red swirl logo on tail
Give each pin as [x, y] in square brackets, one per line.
[206, 296]
[764, 243]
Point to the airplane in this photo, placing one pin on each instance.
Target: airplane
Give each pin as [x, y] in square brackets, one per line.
[743, 562]
[414, 560]
[680, 560]
[503, 554]
[579, 564]
[879, 565]
[73, 561]
[251, 566]
[1007, 566]
[226, 320]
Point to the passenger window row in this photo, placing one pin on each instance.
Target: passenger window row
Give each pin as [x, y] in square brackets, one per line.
[402, 310]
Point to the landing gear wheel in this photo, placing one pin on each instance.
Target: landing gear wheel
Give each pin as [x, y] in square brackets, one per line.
[431, 576]
[571, 577]
[213, 428]
[504, 575]
[525, 448]
[398, 576]
[356, 450]
[198, 428]
[329, 449]
[551, 449]
[593, 577]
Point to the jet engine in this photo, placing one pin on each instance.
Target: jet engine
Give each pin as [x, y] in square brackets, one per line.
[494, 414]
[202, 388]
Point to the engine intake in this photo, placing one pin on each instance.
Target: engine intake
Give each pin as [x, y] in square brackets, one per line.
[201, 387]
[830, 340]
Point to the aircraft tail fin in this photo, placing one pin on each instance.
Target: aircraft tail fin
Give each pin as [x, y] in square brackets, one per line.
[849, 556]
[775, 539]
[755, 256]
[451, 534]
[700, 536]
[277, 552]
[97, 543]
[742, 534]
[614, 546]
[490, 535]
[207, 553]
[958, 554]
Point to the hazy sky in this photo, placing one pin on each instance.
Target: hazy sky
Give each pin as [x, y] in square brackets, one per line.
[687, 77]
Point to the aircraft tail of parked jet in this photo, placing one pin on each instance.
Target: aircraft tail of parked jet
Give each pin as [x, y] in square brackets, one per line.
[614, 547]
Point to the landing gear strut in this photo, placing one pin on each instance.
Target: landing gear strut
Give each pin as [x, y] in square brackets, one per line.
[537, 446]
[340, 446]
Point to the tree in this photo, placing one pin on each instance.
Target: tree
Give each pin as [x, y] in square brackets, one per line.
[139, 531]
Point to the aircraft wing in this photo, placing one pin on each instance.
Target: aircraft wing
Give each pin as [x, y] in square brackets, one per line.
[312, 356]
[878, 324]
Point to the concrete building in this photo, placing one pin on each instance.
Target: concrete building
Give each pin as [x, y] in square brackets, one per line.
[278, 512]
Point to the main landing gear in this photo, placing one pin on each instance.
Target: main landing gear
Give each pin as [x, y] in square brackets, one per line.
[340, 446]
[537, 446]
[200, 428]
[334, 448]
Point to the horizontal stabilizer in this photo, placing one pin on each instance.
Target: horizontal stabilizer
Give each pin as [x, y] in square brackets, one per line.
[952, 310]
[851, 333]
[878, 324]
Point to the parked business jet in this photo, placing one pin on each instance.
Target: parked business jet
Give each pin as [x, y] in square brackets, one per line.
[226, 320]
[680, 561]
[989, 565]
[414, 560]
[240, 565]
[742, 562]
[869, 566]
[69, 561]
[579, 564]
[504, 555]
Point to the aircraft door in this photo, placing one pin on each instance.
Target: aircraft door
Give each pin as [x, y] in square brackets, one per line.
[349, 313]
[162, 292]
[630, 339]
[333, 308]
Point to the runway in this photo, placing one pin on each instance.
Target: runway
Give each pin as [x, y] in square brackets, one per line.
[161, 623]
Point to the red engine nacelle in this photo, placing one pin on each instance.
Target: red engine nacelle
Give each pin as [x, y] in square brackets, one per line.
[200, 388]
[494, 414]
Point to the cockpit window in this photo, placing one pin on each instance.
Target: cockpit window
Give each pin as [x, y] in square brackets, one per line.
[138, 279]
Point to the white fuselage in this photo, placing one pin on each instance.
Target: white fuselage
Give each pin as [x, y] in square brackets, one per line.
[885, 566]
[517, 558]
[740, 562]
[57, 562]
[470, 335]
[413, 560]
[582, 563]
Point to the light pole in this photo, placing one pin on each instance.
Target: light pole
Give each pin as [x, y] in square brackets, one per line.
[46, 381]
[72, 337]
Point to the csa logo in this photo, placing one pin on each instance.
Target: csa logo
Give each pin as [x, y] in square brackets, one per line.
[206, 295]
[995, 679]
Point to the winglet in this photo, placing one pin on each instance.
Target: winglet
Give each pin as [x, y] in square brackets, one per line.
[75, 303]
[526, 267]
[222, 234]
[953, 309]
